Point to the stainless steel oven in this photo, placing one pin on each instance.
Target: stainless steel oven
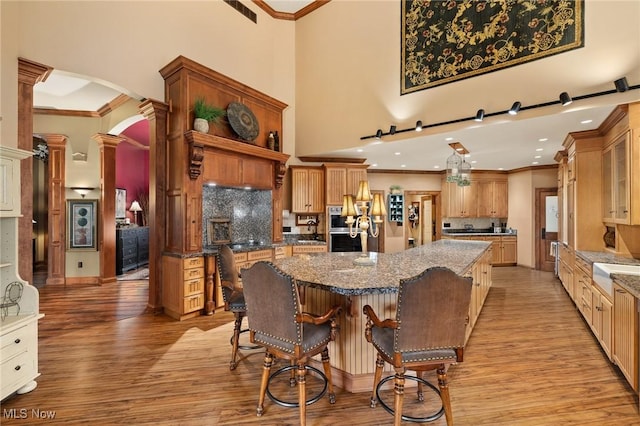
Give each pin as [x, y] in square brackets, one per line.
[339, 238]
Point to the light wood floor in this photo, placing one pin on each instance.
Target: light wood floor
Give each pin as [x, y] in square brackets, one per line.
[530, 361]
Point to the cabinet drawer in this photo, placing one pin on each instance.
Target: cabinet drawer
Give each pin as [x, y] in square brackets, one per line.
[17, 341]
[240, 257]
[190, 274]
[584, 265]
[193, 303]
[193, 262]
[260, 255]
[193, 286]
[309, 249]
[18, 370]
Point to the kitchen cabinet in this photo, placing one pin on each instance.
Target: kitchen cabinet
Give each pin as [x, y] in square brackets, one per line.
[460, 201]
[493, 199]
[307, 190]
[312, 248]
[625, 337]
[601, 319]
[183, 284]
[481, 275]
[616, 196]
[341, 179]
[504, 248]
[282, 252]
[583, 201]
[582, 286]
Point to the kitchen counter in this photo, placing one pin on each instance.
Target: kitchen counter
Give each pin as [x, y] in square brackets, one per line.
[329, 279]
[336, 272]
[477, 232]
[245, 247]
[631, 283]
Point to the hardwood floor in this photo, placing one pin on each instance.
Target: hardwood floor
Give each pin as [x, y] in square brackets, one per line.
[530, 361]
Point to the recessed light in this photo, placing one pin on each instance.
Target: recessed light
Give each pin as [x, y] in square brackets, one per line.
[374, 165]
[436, 166]
[538, 156]
[539, 149]
[534, 163]
[586, 121]
[543, 139]
[474, 162]
[403, 165]
[396, 153]
[448, 139]
[500, 168]
[359, 150]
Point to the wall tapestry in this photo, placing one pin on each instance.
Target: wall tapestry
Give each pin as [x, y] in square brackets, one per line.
[445, 41]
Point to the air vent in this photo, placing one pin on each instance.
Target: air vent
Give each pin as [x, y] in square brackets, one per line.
[243, 9]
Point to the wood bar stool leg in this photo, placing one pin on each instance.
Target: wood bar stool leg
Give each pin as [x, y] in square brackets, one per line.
[444, 394]
[398, 390]
[376, 380]
[327, 372]
[268, 361]
[302, 392]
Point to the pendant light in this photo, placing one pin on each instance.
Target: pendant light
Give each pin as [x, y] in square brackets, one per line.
[453, 167]
[464, 174]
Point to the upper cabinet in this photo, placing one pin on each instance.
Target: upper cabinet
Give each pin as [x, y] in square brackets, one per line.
[342, 179]
[493, 198]
[615, 181]
[460, 201]
[10, 180]
[307, 189]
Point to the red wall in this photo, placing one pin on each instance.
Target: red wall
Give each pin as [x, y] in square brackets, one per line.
[132, 173]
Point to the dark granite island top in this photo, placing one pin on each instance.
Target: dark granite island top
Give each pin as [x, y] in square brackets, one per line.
[337, 273]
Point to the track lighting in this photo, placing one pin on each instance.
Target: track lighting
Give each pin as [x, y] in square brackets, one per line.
[621, 84]
[515, 108]
[392, 129]
[418, 126]
[480, 115]
[379, 134]
[565, 99]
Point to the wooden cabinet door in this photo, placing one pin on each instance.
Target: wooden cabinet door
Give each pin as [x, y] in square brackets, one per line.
[509, 249]
[570, 214]
[307, 192]
[621, 180]
[606, 321]
[469, 200]
[485, 199]
[608, 197]
[354, 176]
[336, 185]
[500, 199]
[625, 337]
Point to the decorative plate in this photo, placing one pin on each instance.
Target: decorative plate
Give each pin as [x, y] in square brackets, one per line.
[242, 121]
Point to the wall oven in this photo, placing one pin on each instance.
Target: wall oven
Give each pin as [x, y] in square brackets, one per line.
[339, 238]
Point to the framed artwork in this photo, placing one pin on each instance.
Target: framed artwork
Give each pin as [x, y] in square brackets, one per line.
[121, 203]
[82, 224]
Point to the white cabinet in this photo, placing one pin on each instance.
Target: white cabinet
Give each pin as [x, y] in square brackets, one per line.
[18, 324]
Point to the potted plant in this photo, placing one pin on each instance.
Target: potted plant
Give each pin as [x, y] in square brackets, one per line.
[395, 189]
[204, 114]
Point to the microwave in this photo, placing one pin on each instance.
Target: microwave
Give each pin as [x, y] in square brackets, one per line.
[336, 222]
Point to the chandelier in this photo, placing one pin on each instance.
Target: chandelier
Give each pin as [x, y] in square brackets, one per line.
[458, 170]
[367, 222]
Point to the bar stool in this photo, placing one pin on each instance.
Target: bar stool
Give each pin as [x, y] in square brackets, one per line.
[276, 321]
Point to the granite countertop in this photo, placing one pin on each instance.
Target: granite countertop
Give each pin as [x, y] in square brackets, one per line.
[245, 247]
[337, 273]
[631, 283]
[477, 232]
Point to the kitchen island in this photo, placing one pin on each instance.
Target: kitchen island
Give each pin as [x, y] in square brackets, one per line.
[329, 279]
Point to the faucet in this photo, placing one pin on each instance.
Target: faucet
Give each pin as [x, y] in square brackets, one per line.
[313, 223]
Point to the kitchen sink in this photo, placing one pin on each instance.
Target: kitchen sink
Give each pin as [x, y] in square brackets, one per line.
[602, 273]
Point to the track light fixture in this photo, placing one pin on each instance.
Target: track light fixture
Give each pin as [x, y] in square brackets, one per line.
[565, 99]
[621, 84]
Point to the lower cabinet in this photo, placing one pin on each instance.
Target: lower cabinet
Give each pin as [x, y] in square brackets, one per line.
[19, 354]
[281, 252]
[602, 319]
[625, 338]
[314, 248]
[481, 275]
[183, 286]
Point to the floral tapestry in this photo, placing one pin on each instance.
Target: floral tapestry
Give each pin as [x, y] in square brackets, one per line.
[445, 41]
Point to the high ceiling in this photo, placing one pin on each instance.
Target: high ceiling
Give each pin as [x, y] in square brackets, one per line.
[500, 142]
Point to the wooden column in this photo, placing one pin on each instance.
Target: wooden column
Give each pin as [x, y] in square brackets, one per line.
[107, 208]
[156, 113]
[29, 73]
[56, 214]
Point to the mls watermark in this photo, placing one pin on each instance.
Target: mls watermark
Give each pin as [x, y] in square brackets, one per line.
[26, 413]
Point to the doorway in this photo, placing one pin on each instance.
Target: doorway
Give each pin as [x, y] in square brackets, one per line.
[424, 220]
[546, 227]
